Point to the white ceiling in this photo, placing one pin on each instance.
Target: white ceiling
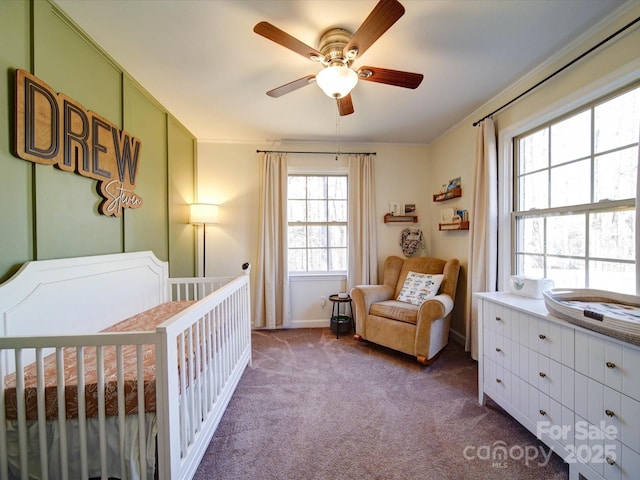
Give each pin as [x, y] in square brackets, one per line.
[203, 62]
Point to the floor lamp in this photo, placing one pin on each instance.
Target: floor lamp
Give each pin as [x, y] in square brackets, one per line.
[203, 214]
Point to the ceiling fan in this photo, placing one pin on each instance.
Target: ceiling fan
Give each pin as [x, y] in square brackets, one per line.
[337, 50]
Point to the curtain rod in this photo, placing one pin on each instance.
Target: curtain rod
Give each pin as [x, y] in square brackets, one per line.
[598, 45]
[318, 153]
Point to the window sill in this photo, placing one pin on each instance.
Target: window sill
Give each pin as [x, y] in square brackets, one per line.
[316, 277]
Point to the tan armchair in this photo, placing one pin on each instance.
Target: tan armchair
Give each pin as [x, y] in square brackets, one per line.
[418, 330]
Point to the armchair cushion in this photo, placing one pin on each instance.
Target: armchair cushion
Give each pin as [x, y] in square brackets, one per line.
[418, 287]
[404, 312]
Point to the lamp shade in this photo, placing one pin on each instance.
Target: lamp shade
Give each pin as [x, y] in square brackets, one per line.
[203, 213]
[336, 81]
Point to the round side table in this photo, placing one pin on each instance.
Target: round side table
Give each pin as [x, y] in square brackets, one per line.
[338, 319]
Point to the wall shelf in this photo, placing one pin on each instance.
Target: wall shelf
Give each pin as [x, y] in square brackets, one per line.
[388, 218]
[453, 226]
[453, 193]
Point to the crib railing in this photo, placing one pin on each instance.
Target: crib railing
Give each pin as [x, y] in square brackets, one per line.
[200, 376]
[200, 356]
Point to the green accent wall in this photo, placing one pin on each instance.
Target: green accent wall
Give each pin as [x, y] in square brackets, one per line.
[47, 213]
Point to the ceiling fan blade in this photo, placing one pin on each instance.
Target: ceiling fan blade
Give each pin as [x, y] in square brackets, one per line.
[291, 86]
[390, 77]
[381, 18]
[345, 105]
[274, 34]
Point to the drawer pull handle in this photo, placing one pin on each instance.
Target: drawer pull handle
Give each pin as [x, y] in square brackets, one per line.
[610, 365]
[498, 349]
[498, 319]
[610, 461]
[542, 337]
[609, 413]
[542, 374]
[542, 412]
[498, 380]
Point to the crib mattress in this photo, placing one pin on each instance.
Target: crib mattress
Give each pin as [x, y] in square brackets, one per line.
[145, 321]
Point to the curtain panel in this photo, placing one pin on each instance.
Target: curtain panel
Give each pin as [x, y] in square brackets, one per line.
[363, 243]
[482, 269]
[272, 278]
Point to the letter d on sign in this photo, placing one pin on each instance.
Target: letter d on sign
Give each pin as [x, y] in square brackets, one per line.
[37, 120]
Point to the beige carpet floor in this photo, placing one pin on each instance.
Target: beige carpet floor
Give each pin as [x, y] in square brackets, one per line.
[315, 407]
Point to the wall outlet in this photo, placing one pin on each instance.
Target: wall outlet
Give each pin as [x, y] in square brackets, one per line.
[323, 301]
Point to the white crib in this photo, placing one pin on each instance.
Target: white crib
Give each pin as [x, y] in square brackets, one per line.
[160, 390]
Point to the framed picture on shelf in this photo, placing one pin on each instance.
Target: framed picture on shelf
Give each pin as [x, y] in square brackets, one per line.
[394, 208]
[409, 208]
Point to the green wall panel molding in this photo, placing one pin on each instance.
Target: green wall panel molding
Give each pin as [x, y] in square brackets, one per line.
[182, 158]
[49, 213]
[16, 219]
[146, 227]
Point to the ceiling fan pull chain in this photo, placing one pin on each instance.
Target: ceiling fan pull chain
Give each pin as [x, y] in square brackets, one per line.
[337, 134]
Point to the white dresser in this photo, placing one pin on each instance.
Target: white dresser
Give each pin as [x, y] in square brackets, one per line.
[577, 390]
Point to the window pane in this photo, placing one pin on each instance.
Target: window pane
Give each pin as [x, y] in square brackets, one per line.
[297, 210]
[317, 260]
[316, 187]
[316, 211]
[534, 151]
[297, 187]
[617, 122]
[337, 210]
[615, 175]
[337, 236]
[612, 276]
[566, 235]
[337, 187]
[530, 265]
[338, 259]
[297, 260]
[571, 138]
[530, 235]
[317, 236]
[611, 235]
[566, 272]
[534, 191]
[571, 184]
[297, 237]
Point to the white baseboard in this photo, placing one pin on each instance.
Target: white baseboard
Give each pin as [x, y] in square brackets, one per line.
[321, 323]
[457, 337]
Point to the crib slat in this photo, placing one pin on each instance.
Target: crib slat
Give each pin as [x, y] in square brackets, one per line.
[101, 411]
[22, 420]
[4, 463]
[42, 414]
[82, 413]
[142, 438]
[62, 414]
[121, 409]
[183, 392]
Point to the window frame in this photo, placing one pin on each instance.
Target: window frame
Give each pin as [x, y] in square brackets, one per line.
[320, 273]
[593, 207]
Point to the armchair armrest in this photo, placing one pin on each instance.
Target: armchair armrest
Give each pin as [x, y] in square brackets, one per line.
[432, 332]
[364, 296]
[436, 307]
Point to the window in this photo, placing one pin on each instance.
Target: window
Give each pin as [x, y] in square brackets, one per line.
[317, 223]
[574, 218]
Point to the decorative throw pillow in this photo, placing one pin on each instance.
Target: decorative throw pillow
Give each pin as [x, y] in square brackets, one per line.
[419, 287]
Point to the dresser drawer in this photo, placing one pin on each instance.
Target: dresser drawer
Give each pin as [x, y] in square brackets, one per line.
[608, 362]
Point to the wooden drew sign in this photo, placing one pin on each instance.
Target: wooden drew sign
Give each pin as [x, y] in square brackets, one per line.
[53, 129]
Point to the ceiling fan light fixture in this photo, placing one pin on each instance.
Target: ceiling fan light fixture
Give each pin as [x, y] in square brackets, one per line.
[337, 80]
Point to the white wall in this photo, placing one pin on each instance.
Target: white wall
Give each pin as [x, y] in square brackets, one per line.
[604, 70]
[228, 174]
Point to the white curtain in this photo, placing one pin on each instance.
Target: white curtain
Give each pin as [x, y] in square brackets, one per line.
[363, 244]
[272, 281]
[482, 270]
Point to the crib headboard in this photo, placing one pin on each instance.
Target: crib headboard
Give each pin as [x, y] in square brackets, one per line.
[82, 294]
